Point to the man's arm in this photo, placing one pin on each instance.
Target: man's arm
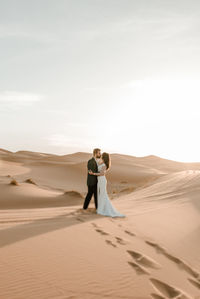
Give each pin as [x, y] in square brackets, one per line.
[102, 172]
[91, 166]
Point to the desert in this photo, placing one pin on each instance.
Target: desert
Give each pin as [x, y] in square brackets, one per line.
[51, 248]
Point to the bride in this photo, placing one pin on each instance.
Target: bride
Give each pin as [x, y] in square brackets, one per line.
[104, 204]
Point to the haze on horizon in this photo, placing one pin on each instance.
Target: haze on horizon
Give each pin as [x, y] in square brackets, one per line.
[120, 75]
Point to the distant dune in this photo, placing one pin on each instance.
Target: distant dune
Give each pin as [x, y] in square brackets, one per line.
[51, 248]
[68, 172]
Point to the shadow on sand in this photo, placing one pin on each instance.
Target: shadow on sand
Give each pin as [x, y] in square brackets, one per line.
[41, 226]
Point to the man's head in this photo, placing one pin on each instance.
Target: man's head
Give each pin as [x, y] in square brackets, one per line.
[97, 153]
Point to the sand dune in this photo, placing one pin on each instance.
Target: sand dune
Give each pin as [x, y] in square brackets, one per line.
[68, 172]
[50, 248]
[30, 196]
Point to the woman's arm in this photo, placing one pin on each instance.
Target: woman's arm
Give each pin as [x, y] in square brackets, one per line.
[102, 172]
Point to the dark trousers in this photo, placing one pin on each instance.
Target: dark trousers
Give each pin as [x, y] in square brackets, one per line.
[92, 190]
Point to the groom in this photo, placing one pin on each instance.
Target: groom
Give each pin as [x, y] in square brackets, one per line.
[92, 179]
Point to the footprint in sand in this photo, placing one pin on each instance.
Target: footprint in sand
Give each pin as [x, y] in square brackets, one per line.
[156, 246]
[99, 230]
[139, 269]
[144, 260]
[130, 233]
[94, 224]
[167, 290]
[102, 232]
[111, 219]
[182, 264]
[194, 282]
[80, 219]
[110, 243]
[120, 241]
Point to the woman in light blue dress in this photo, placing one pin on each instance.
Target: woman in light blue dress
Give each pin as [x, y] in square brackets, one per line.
[105, 206]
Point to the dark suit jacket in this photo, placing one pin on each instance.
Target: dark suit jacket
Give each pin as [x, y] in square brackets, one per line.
[92, 179]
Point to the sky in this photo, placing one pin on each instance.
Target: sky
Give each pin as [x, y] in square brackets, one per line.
[122, 75]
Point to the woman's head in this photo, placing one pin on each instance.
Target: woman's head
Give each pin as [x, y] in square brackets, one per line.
[106, 159]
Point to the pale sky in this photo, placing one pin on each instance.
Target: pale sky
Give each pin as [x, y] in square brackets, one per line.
[122, 75]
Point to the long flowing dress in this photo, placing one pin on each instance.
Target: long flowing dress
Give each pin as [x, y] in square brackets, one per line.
[104, 204]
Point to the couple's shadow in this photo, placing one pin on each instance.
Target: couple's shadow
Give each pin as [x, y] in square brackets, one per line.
[40, 226]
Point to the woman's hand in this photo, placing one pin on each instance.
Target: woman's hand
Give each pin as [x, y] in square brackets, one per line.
[90, 172]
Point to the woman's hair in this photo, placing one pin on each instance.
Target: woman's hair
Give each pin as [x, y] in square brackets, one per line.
[106, 159]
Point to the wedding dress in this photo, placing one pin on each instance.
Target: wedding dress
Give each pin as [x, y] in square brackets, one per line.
[104, 204]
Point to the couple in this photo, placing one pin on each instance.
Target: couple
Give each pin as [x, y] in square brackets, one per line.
[97, 184]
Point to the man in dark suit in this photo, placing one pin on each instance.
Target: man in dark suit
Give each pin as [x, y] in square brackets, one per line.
[92, 179]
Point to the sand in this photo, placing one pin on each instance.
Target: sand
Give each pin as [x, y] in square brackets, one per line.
[51, 248]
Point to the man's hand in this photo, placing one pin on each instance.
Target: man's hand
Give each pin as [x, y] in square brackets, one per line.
[102, 172]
